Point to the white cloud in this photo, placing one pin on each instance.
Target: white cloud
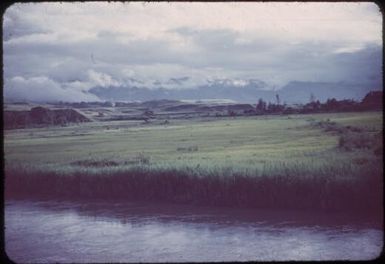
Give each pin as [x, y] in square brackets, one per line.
[41, 88]
[349, 49]
[101, 79]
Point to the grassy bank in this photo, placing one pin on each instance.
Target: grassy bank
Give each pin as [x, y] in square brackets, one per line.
[307, 162]
[289, 188]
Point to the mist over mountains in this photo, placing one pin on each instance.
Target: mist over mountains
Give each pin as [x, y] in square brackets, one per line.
[248, 91]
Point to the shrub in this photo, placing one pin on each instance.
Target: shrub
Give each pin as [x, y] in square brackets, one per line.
[350, 141]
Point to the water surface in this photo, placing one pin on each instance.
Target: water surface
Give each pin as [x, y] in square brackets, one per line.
[47, 231]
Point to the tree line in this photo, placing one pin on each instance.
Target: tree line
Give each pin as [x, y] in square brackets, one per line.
[372, 101]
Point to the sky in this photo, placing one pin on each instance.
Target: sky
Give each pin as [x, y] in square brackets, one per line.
[59, 51]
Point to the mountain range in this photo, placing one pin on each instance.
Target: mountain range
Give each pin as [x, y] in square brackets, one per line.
[248, 91]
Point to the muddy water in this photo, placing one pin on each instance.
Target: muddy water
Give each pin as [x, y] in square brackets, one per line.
[50, 232]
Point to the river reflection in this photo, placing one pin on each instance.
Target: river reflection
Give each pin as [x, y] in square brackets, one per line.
[48, 231]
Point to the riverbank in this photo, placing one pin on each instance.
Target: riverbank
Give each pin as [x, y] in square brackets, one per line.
[290, 188]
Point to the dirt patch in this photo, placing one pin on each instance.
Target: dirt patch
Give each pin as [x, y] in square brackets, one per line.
[95, 163]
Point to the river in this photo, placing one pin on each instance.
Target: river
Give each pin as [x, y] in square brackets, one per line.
[49, 231]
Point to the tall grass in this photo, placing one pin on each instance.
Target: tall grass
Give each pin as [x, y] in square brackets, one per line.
[259, 163]
[334, 188]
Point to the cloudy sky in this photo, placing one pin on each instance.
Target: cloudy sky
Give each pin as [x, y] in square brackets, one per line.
[59, 51]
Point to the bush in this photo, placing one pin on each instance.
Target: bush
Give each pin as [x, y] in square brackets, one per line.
[350, 141]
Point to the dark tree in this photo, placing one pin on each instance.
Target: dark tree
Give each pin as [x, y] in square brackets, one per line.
[261, 106]
[372, 101]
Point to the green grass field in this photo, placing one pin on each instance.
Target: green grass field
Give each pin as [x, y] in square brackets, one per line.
[253, 142]
[294, 148]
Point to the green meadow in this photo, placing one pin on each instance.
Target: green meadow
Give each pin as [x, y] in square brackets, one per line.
[297, 153]
[240, 143]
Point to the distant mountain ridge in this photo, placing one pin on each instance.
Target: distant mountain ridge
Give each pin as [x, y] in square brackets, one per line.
[248, 91]
[213, 90]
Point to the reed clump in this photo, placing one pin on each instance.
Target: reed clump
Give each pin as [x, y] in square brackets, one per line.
[334, 188]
